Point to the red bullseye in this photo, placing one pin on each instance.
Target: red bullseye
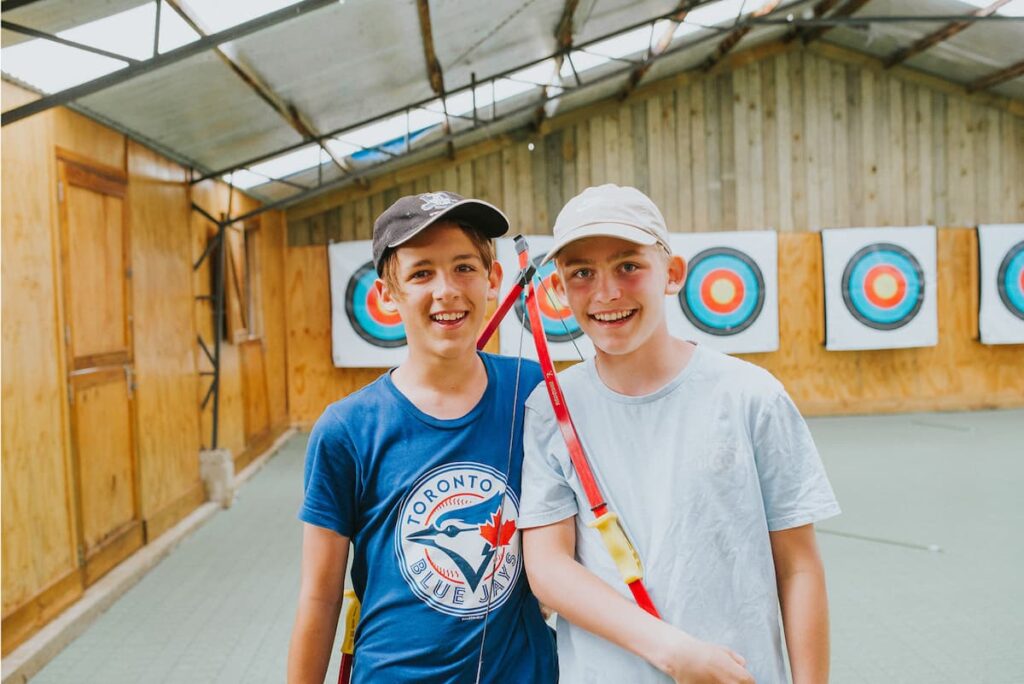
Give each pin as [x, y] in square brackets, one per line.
[885, 286]
[550, 304]
[721, 291]
[377, 311]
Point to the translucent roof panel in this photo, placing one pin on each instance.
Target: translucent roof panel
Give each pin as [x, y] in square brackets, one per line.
[199, 108]
[344, 63]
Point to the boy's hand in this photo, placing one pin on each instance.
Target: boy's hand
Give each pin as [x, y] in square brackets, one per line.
[691, 661]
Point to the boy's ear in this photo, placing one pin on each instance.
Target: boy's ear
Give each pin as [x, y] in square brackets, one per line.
[494, 280]
[676, 274]
[558, 285]
[385, 296]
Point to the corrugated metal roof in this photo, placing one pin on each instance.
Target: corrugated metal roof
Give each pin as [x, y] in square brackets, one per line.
[351, 62]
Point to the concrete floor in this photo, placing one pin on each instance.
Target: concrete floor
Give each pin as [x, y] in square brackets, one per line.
[924, 567]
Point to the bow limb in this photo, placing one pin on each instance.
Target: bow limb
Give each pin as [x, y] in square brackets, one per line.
[526, 271]
[606, 522]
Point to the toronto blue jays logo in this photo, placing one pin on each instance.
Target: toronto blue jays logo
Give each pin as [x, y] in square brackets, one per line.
[457, 541]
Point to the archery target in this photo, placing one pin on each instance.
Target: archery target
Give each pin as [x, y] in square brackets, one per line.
[1001, 310]
[566, 340]
[556, 317]
[372, 321]
[730, 298]
[364, 332]
[880, 288]
[883, 286]
[724, 291]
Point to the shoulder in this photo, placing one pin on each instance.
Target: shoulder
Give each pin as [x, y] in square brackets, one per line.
[506, 367]
[737, 376]
[353, 408]
[570, 380]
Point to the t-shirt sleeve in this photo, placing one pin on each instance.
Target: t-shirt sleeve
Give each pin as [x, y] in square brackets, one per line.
[794, 486]
[331, 478]
[546, 495]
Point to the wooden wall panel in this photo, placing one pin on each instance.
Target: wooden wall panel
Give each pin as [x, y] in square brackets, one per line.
[38, 536]
[795, 139]
[41, 526]
[273, 239]
[168, 419]
[313, 381]
[88, 139]
[957, 374]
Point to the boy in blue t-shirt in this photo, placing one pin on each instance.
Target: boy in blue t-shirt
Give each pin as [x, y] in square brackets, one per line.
[420, 470]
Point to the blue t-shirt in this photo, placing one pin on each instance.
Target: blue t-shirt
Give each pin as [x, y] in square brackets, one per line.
[434, 531]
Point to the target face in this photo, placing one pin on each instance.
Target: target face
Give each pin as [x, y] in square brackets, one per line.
[373, 322]
[724, 291]
[883, 286]
[1010, 280]
[556, 317]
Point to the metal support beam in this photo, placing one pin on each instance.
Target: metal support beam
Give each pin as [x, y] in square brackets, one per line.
[944, 33]
[366, 171]
[424, 103]
[736, 35]
[986, 82]
[682, 9]
[162, 60]
[15, 4]
[35, 33]
[563, 44]
[434, 73]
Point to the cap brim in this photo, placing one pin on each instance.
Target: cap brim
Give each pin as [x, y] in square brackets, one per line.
[485, 217]
[616, 230]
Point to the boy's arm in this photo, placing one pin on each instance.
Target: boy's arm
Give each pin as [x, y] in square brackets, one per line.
[801, 581]
[559, 581]
[324, 559]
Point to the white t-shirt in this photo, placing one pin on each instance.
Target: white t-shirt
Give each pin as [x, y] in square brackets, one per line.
[699, 472]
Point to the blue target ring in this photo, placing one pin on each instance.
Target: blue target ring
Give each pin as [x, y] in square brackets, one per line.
[372, 323]
[556, 318]
[883, 286]
[724, 291]
[1011, 280]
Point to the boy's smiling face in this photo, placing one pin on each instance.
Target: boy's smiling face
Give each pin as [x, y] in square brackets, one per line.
[616, 290]
[443, 290]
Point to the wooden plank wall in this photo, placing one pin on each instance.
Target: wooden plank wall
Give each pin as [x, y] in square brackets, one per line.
[791, 139]
[41, 570]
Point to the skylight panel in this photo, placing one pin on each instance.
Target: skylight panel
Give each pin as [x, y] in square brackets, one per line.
[629, 43]
[722, 12]
[289, 163]
[387, 130]
[245, 179]
[1010, 9]
[582, 61]
[52, 67]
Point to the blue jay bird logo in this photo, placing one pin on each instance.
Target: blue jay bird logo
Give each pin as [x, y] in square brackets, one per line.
[457, 539]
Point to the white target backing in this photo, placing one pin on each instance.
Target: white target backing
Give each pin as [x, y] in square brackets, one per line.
[730, 299]
[364, 333]
[880, 288]
[1001, 256]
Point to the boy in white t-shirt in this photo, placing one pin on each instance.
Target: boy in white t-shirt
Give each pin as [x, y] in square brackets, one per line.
[703, 456]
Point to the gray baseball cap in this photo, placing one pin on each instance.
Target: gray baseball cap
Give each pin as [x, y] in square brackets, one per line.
[411, 214]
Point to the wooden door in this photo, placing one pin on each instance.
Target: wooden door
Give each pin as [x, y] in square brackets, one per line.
[96, 276]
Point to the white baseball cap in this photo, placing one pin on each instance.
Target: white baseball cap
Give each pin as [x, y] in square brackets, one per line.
[611, 211]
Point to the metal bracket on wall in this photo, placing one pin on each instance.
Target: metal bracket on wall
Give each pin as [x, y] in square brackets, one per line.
[215, 244]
